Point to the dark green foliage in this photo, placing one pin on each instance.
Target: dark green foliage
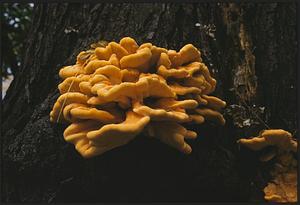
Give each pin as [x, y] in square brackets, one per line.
[15, 25]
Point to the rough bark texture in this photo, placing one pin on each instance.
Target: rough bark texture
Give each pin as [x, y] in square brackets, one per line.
[250, 50]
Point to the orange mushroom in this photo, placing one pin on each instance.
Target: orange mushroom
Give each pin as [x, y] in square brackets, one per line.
[118, 90]
[283, 185]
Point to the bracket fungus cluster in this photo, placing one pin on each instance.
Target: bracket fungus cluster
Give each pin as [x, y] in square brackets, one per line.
[115, 92]
[283, 187]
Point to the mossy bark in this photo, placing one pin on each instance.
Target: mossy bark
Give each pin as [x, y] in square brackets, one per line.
[249, 48]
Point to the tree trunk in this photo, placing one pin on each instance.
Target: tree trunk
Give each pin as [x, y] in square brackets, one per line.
[249, 48]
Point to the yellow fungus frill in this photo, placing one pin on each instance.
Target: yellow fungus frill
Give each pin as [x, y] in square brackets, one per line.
[283, 186]
[279, 138]
[175, 137]
[117, 91]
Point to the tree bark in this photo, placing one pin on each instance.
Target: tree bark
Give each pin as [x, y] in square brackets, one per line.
[249, 48]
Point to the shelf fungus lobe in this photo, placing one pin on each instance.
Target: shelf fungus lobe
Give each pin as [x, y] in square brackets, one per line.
[283, 186]
[120, 90]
